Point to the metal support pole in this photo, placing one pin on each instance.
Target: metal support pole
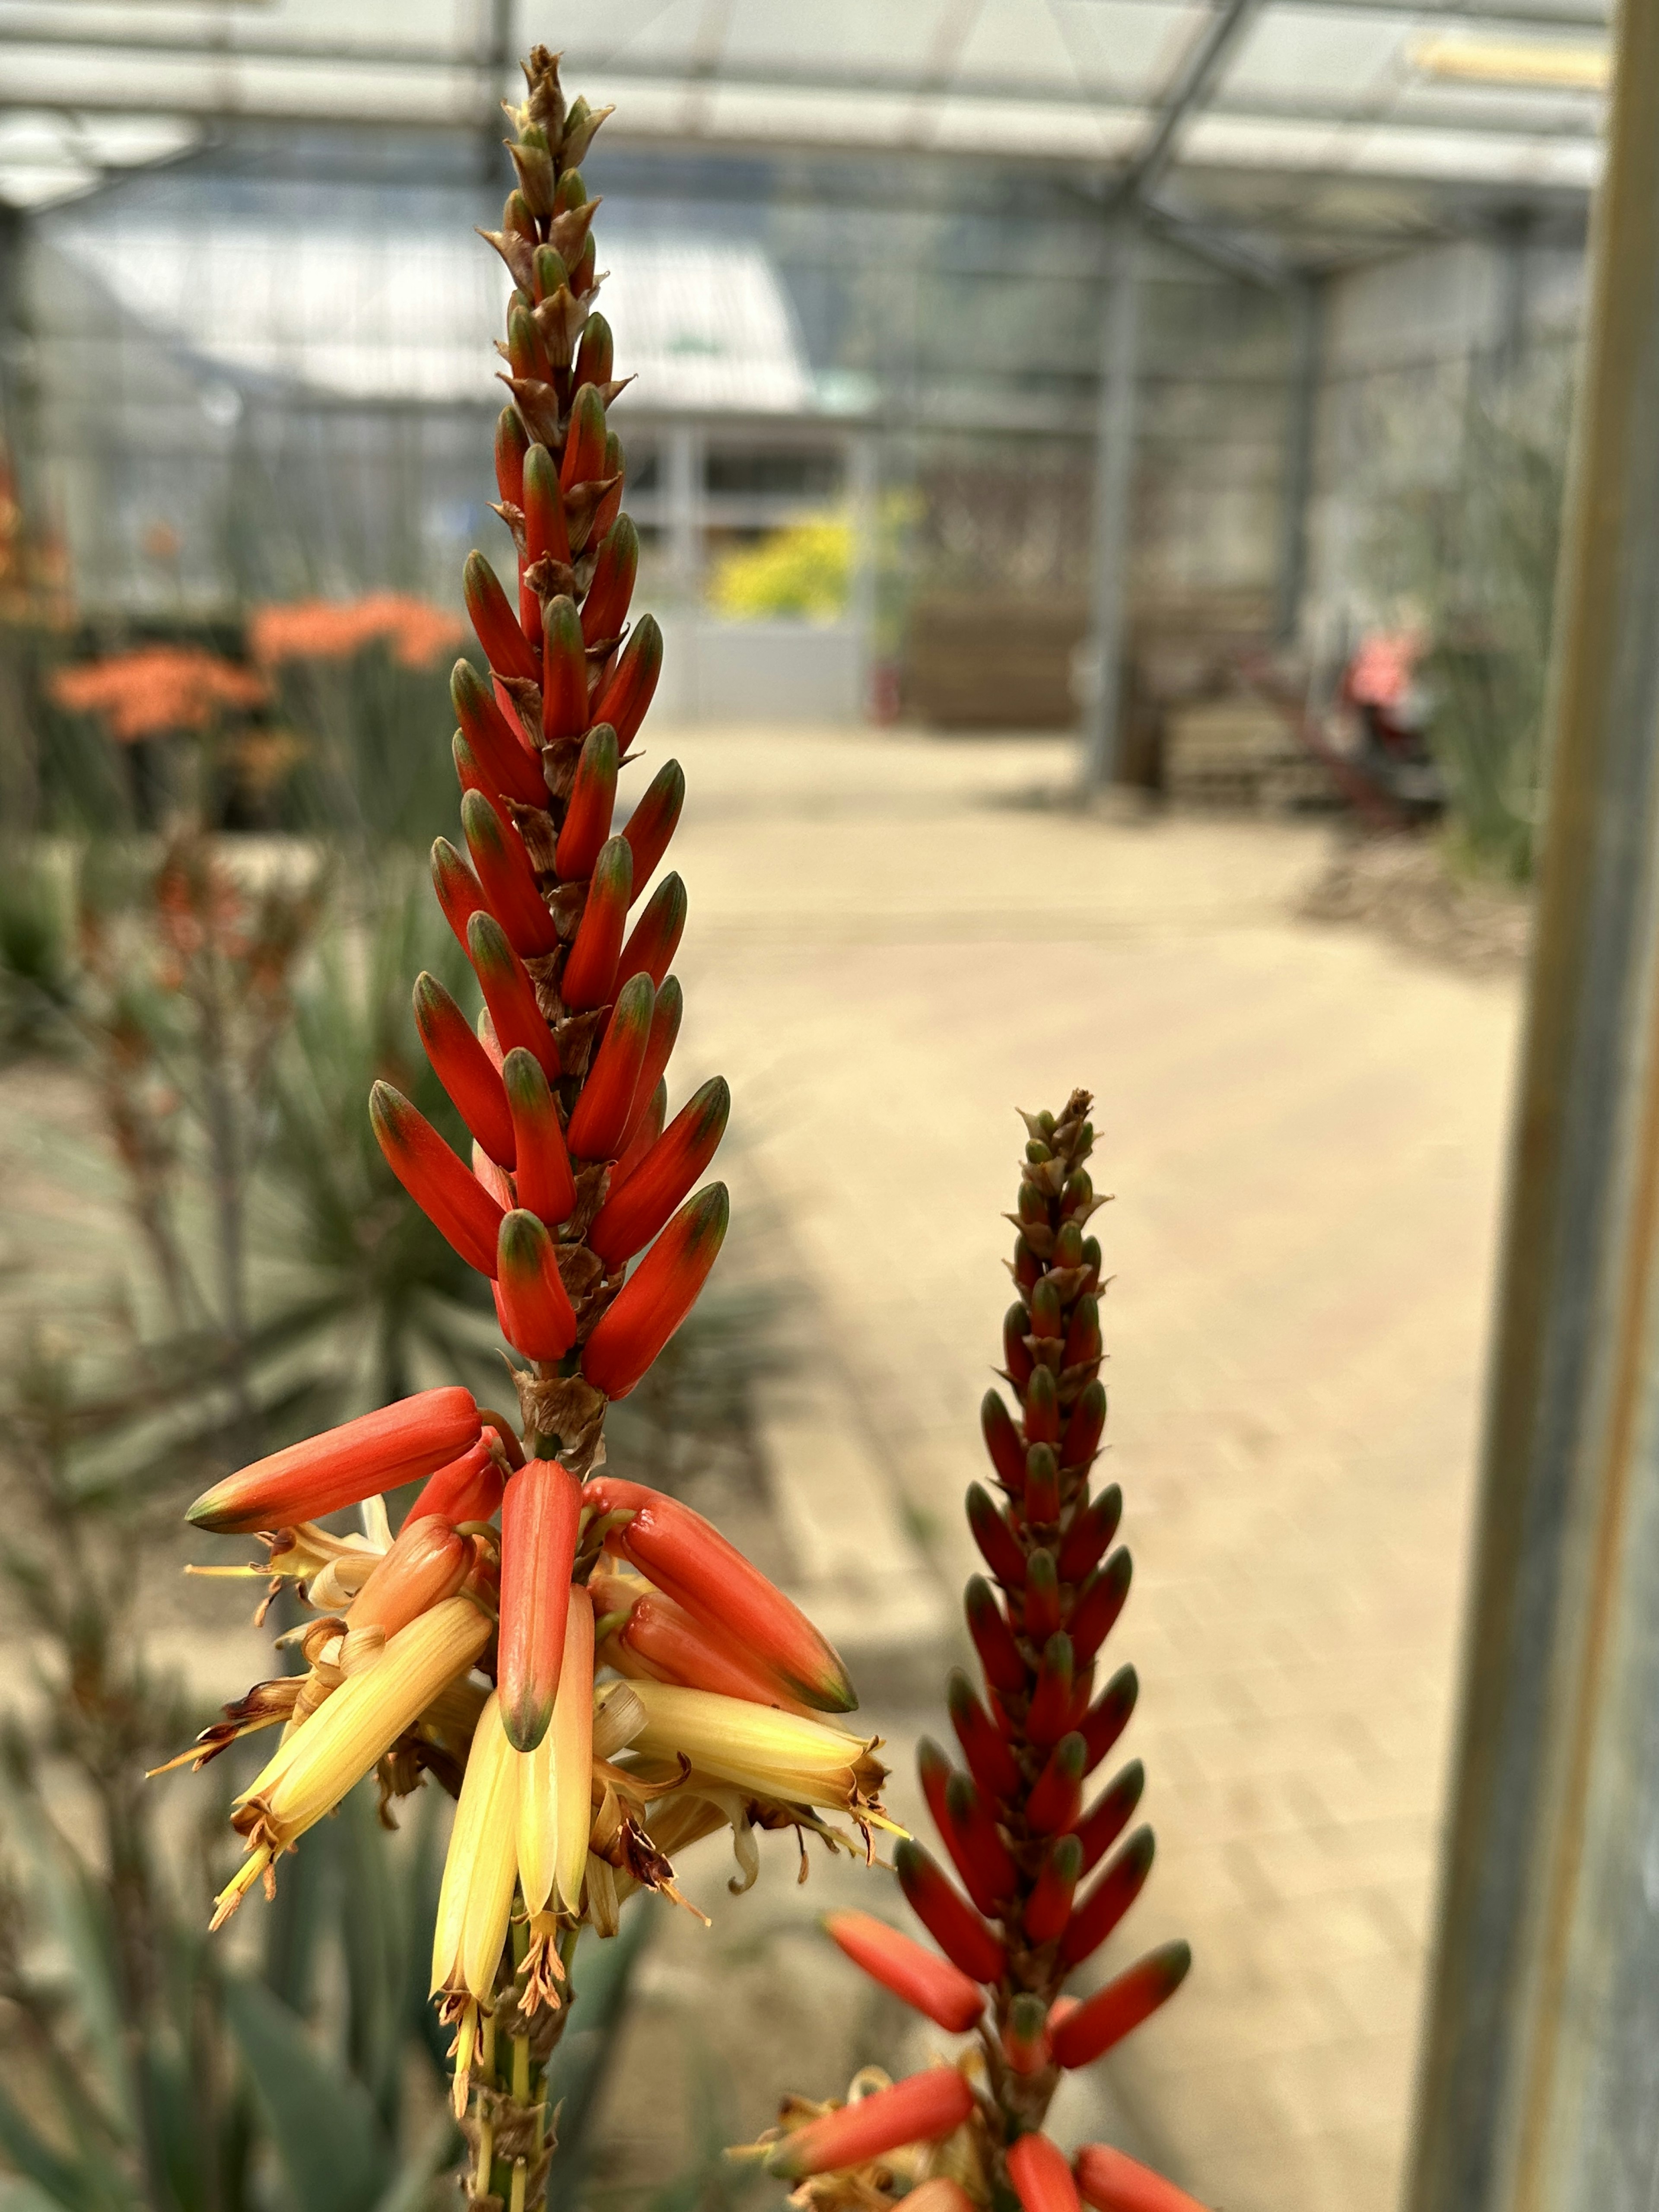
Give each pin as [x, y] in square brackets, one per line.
[1114, 460]
[863, 465]
[1537, 2088]
[682, 503]
[1306, 304]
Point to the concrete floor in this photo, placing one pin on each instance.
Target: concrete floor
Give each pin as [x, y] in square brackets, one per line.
[893, 942]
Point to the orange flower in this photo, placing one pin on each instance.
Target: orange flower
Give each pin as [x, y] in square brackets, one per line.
[158, 689]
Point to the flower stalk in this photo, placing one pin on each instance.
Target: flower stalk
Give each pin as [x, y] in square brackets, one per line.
[1017, 1830]
[584, 1752]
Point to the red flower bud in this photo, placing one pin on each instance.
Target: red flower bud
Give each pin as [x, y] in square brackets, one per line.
[512, 443]
[1111, 1815]
[949, 1919]
[652, 821]
[638, 1140]
[1028, 1270]
[601, 1113]
[1046, 1316]
[1106, 1720]
[1049, 1716]
[934, 1771]
[1042, 1409]
[543, 1180]
[1056, 1797]
[670, 1646]
[584, 444]
[588, 809]
[693, 1564]
[993, 1639]
[526, 350]
[465, 1068]
[468, 1489]
[344, 1465]
[1084, 1428]
[982, 1858]
[658, 1295]
[1048, 1907]
[626, 688]
[1041, 1486]
[659, 1046]
[640, 1204]
[1042, 1615]
[1025, 2034]
[610, 505]
[1042, 2180]
[509, 766]
[604, 610]
[539, 1514]
[1002, 1442]
[1105, 1905]
[1098, 1604]
[595, 354]
[509, 993]
[537, 1313]
[655, 938]
[1016, 1359]
[545, 535]
[929, 1984]
[564, 671]
[1093, 1527]
[990, 1761]
[1076, 1196]
[589, 970]
[455, 1203]
[506, 646]
[1112, 2013]
[459, 892]
[1113, 2182]
[509, 882]
[998, 1544]
[1083, 1344]
[922, 2109]
[468, 774]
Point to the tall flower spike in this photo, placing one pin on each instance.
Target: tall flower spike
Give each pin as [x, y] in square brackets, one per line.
[574, 1809]
[1015, 1826]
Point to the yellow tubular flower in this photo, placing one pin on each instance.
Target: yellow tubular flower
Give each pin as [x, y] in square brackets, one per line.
[476, 1901]
[344, 1739]
[572, 1737]
[772, 1754]
[538, 1802]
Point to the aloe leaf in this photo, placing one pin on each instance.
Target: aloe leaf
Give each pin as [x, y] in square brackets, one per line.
[411, 2186]
[330, 2143]
[45, 2176]
[18, 2196]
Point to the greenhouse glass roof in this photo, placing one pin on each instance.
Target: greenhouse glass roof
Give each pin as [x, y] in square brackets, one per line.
[1505, 97]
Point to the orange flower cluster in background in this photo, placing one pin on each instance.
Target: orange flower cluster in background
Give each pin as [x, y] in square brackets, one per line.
[418, 634]
[157, 689]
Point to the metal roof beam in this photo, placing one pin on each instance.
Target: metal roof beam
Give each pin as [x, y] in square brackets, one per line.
[1191, 85]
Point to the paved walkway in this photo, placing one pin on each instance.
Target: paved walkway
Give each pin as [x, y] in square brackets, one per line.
[892, 944]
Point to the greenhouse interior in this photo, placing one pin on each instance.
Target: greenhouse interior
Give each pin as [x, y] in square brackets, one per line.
[1141, 519]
